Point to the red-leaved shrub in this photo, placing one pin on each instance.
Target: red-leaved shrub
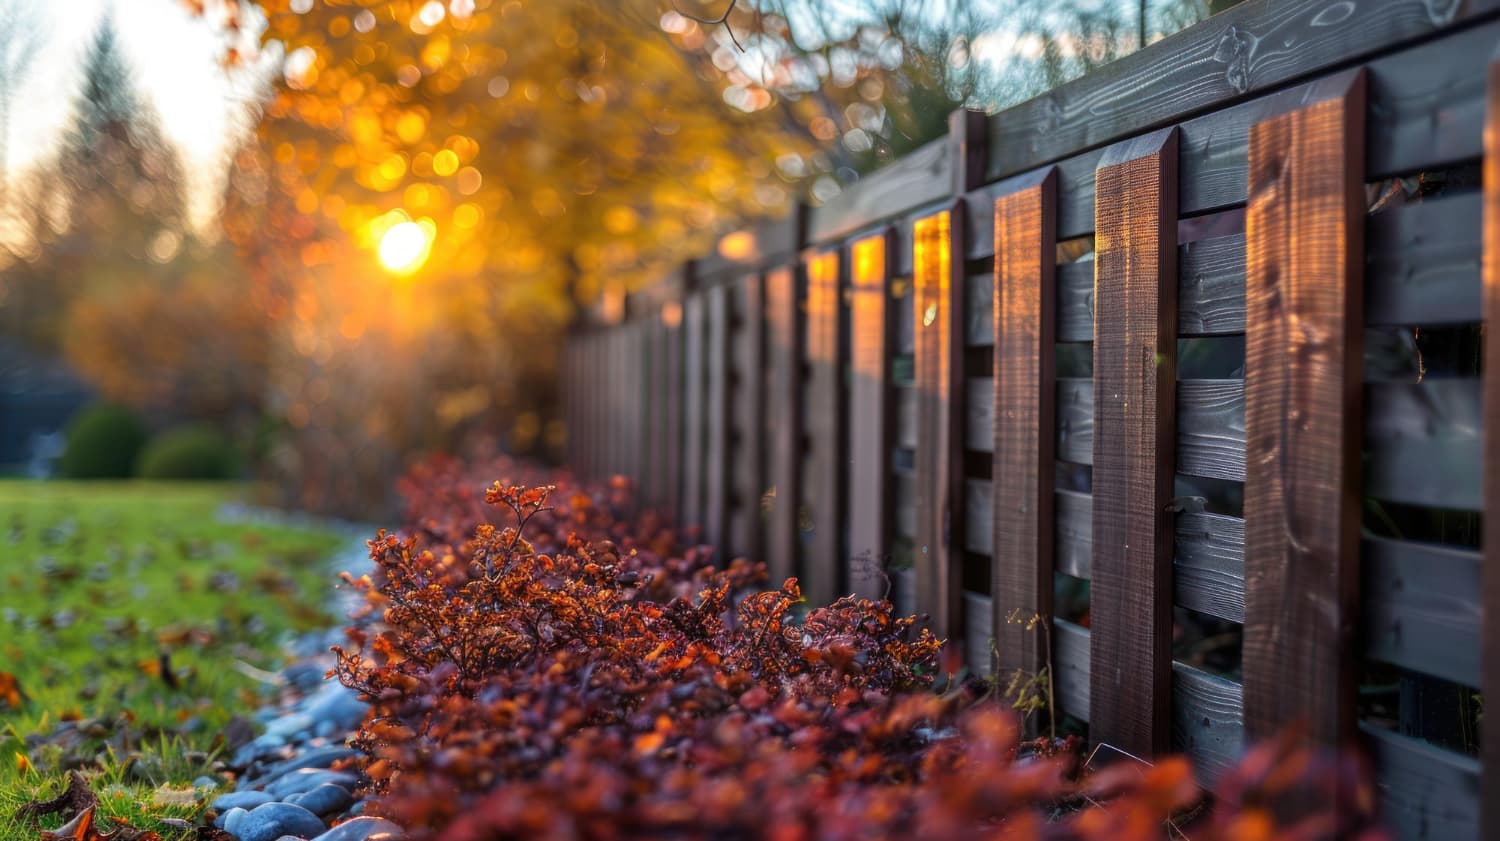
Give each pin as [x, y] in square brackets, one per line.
[549, 665]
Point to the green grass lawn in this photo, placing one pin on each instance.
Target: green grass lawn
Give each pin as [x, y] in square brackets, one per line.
[103, 584]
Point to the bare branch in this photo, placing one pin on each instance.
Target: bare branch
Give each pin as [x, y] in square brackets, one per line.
[721, 19]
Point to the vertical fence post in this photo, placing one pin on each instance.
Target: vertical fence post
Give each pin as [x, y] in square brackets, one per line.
[749, 415]
[1304, 235]
[1135, 332]
[870, 425]
[1025, 436]
[938, 298]
[1490, 581]
[823, 420]
[672, 372]
[783, 419]
[716, 395]
[693, 404]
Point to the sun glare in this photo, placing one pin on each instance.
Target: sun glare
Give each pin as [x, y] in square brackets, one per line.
[404, 247]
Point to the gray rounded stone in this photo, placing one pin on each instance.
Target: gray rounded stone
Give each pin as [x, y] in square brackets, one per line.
[230, 819]
[240, 800]
[362, 829]
[307, 779]
[324, 800]
[270, 821]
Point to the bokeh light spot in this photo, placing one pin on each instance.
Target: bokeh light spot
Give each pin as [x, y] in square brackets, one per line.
[405, 247]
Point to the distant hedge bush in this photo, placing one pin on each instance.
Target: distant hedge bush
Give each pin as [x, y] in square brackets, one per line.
[103, 443]
[187, 452]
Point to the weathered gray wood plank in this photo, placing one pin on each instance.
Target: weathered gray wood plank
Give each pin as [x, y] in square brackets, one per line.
[1208, 721]
[1251, 47]
[821, 500]
[1070, 668]
[1423, 443]
[1426, 792]
[716, 479]
[1422, 266]
[1423, 609]
[922, 177]
[695, 427]
[783, 419]
[978, 633]
[1209, 566]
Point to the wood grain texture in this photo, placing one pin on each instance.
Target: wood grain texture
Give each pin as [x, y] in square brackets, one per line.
[1426, 793]
[1135, 280]
[747, 412]
[716, 490]
[1304, 231]
[1251, 47]
[783, 420]
[1208, 721]
[694, 409]
[821, 501]
[871, 421]
[937, 311]
[1209, 565]
[1021, 431]
[1490, 639]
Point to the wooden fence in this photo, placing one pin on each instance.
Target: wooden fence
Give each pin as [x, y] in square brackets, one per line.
[1200, 329]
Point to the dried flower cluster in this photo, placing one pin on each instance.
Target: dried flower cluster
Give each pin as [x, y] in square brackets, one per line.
[564, 671]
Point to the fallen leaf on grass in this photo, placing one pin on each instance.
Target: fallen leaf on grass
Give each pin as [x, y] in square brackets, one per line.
[82, 828]
[77, 805]
[10, 691]
[168, 796]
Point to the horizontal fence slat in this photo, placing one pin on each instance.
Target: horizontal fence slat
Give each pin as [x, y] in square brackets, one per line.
[1219, 61]
[1209, 568]
[978, 612]
[920, 177]
[1074, 537]
[1070, 655]
[1422, 607]
[1422, 263]
[1208, 720]
[1426, 792]
[1423, 443]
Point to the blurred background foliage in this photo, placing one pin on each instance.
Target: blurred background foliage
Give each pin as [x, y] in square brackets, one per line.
[434, 187]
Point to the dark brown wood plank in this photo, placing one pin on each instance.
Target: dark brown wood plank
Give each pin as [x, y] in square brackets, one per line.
[716, 479]
[1423, 607]
[1022, 408]
[871, 421]
[1254, 46]
[821, 500]
[1208, 721]
[783, 428]
[1489, 750]
[694, 410]
[1304, 236]
[937, 300]
[922, 177]
[747, 413]
[1134, 379]
[1422, 266]
[1425, 792]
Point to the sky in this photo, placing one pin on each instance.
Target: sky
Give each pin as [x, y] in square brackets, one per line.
[204, 108]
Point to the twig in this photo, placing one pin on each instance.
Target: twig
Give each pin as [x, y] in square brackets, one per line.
[721, 19]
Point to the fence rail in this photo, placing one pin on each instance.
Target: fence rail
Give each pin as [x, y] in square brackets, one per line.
[1198, 332]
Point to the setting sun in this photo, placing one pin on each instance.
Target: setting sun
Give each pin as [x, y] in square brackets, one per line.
[405, 247]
